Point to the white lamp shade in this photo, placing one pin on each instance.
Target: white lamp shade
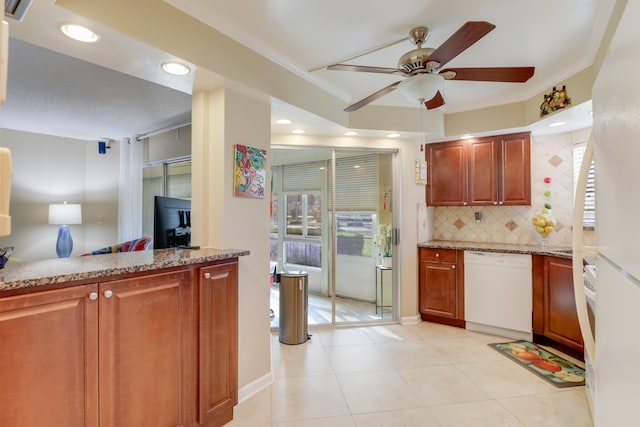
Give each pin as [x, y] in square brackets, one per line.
[65, 214]
[421, 86]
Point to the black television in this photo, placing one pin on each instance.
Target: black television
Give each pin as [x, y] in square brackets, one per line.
[171, 222]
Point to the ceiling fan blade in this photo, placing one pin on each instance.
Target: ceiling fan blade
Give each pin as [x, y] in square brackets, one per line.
[372, 97]
[366, 52]
[435, 102]
[466, 35]
[490, 74]
[366, 69]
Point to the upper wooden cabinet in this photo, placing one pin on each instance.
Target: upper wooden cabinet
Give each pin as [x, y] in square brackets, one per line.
[488, 171]
[447, 173]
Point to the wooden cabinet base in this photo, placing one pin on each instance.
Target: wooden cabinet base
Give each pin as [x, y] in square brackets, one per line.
[443, 320]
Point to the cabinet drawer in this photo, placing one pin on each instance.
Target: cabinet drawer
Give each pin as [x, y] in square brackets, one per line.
[436, 254]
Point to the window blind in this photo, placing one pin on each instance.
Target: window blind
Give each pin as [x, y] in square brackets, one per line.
[356, 183]
[589, 218]
[303, 176]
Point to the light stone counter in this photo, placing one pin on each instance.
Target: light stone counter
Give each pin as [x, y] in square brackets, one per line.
[557, 251]
[20, 275]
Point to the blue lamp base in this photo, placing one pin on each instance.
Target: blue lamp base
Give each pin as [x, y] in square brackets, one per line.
[64, 245]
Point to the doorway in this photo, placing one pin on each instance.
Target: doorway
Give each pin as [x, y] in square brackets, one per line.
[349, 279]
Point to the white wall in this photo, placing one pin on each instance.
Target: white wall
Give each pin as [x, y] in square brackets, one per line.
[221, 119]
[49, 169]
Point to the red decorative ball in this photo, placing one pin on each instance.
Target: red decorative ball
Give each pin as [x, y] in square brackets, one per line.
[547, 180]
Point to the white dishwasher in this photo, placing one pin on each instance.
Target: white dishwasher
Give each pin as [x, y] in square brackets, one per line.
[498, 293]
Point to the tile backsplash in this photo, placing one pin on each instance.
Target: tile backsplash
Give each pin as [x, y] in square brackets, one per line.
[551, 156]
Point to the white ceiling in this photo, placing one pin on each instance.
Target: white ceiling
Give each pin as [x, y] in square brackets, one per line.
[52, 94]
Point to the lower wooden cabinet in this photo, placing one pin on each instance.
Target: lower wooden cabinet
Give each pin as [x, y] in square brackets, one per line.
[145, 341]
[49, 359]
[555, 317]
[148, 350]
[441, 286]
[217, 344]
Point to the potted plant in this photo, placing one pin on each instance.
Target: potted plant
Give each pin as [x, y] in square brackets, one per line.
[383, 243]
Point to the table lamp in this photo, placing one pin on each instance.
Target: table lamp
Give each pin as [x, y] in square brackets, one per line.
[64, 215]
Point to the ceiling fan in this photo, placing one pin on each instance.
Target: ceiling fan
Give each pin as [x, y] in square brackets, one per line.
[423, 67]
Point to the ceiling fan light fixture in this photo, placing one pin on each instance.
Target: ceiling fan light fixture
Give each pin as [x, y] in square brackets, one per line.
[421, 87]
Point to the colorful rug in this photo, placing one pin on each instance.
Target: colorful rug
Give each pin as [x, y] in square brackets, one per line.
[551, 367]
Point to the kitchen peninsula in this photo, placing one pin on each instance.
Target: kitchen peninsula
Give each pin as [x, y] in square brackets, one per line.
[139, 338]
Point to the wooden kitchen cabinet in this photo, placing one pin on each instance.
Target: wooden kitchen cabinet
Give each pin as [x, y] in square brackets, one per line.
[49, 359]
[218, 344]
[487, 171]
[156, 348]
[447, 173]
[441, 286]
[555, 318]
[145, 340]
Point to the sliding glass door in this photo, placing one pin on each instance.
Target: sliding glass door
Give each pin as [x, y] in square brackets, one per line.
[327, 210]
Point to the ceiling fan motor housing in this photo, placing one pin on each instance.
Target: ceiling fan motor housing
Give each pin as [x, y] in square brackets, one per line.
[415, 61]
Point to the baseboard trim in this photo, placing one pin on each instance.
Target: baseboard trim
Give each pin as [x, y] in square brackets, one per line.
[255, 387]
[410, 320]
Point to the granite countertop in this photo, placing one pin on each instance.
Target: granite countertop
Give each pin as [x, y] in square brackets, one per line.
[19, 275]
[557, 251]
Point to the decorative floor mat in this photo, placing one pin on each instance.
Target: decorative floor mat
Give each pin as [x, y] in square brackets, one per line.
[553, 368]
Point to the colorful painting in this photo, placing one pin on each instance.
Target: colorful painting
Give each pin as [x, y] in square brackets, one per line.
[250, 176]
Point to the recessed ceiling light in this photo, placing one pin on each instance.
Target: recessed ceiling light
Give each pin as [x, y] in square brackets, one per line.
[554, 124]
[393, 135]
[283, 121]
[351, 133]
[79, 33]
[176, 68]
[298, 131]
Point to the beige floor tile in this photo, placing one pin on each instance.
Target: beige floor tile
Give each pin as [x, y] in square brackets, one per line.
[376, 391]
[443, 384]
[356, 358]
[562, 409]
[390, 333]
[503, 378]
[344, 421]
[253, 412]
[307, 397]
[417, 417]
[463, 349]
[301, 361]
[346, 336]
[411, 354]
[428, 331]
[486, 413]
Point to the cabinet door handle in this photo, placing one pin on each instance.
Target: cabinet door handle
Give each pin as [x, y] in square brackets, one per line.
[453, 267]
[437, 255]
[495, 203]
[108, 294]
[501, 202]
[207, 276]
[93, 296]
[464, 203]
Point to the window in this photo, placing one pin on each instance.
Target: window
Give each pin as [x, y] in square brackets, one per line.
[589, 218]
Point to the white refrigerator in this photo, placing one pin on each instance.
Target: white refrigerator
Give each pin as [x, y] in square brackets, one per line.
[616, 149]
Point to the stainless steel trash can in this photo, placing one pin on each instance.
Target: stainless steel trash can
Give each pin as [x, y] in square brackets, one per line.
[294, 303]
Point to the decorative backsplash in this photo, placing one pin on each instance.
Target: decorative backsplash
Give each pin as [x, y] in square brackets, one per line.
[551, 156]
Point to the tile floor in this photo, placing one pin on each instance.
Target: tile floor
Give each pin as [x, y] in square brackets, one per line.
[416, 375]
